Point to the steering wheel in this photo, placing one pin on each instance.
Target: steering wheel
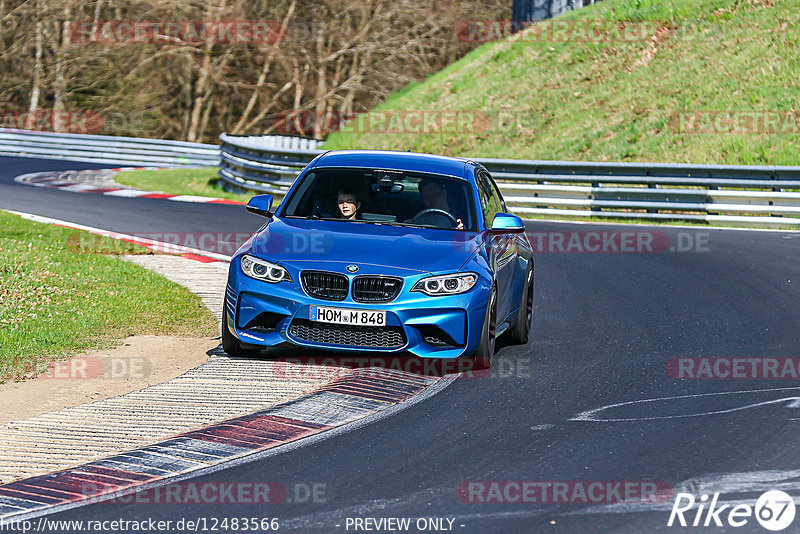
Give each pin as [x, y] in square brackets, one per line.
[437, 211]
[321, 210]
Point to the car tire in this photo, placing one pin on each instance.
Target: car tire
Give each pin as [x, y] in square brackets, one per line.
[488, 331]
[231, 344]
[519, 334]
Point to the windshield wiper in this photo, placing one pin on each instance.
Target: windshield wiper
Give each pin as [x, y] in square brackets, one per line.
[387, 223]
[409, 225]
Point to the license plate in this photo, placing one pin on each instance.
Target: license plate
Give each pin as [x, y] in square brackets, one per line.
[347, 316]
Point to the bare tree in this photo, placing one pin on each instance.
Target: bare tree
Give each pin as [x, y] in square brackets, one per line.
[38, 74]
[269, 58]
[329, 59]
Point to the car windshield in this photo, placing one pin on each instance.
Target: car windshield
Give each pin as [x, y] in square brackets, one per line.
[383, 197]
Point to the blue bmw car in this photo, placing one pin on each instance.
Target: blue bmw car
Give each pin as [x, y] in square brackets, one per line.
[385, 252]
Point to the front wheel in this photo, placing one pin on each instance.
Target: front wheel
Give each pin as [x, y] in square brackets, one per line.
[489, 331]
[231, 344]
[522, 328]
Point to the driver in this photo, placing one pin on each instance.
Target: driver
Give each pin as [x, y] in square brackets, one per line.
[349, 204]
[434, 196]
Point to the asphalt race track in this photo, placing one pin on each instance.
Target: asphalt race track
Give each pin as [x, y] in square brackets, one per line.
[606, 326]
[112, 213]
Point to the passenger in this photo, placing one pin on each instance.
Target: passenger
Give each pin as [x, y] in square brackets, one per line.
[434, 196]
[349, 204]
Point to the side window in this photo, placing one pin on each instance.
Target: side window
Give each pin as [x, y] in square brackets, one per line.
[301, 200]
[500, 201]
[491, 201]
[483, 193]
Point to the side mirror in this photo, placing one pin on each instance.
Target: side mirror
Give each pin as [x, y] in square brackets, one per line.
[505, 222]
[260, 205]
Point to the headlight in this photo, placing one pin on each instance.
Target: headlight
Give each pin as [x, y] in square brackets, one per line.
[449, 284]
[264, 270]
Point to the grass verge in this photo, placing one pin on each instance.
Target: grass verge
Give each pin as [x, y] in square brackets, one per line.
[654, 98]
[201, 181]
[58, 298]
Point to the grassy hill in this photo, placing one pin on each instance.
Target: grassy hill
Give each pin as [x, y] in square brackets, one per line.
[663, 97]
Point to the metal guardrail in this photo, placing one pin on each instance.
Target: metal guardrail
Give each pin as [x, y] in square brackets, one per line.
[267, 163]
[726, 194]
[720, 194]
[106, 149]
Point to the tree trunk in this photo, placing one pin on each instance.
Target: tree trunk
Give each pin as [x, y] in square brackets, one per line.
[203, 88]
[96, 19]
[200, 94]
[60, 85]
[298, 97]
[204, 120]
[322, 89]
[36, 89]
[262, 77]
[2, 15]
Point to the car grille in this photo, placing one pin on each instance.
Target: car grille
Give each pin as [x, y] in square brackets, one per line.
[386, 337]
[323, 285]
[376, 288]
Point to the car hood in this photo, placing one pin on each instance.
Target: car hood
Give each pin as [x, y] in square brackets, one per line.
[304, 242]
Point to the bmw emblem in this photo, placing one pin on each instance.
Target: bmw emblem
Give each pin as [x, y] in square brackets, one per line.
[352, 268]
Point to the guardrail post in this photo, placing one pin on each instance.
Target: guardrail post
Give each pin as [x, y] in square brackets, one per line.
[651, 186]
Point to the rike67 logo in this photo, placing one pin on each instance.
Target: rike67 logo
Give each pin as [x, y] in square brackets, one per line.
[774, 510]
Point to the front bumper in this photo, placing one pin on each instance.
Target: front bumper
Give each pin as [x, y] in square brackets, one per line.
[264, 314]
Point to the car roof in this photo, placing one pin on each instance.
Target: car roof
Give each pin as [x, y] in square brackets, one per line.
[390, 160]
